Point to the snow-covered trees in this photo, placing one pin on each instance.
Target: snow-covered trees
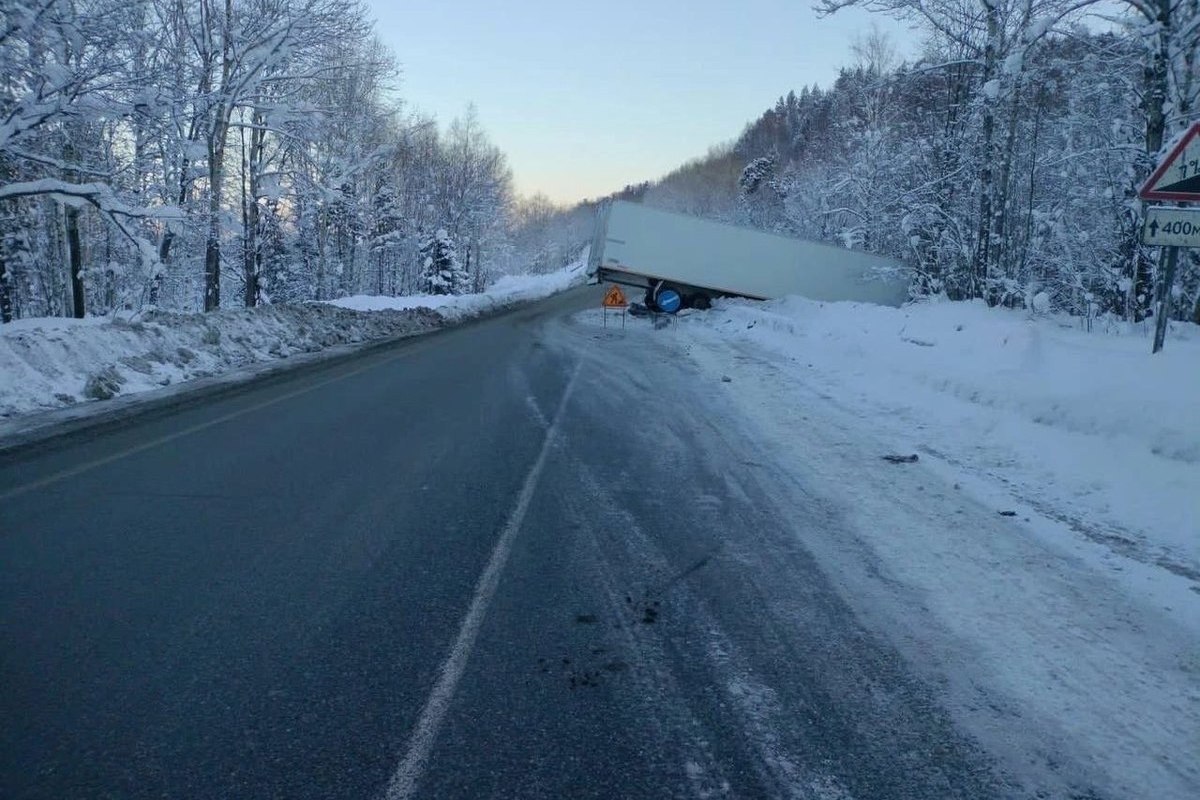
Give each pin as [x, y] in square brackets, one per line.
[64, 103]
[758, 171]
[1002, 164]
[192, 154]
[545, 237]
[474, 194]
[442, 272]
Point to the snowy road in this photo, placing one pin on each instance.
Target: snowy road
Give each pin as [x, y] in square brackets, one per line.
[524, 558]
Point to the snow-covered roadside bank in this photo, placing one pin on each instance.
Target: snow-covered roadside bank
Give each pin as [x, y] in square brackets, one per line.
[1088, 429]
[1041, 558]
[48, 364]
[52, 363]
[506, 291]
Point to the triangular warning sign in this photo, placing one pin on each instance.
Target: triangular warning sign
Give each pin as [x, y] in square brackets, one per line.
[1178, 176]
[615, 298]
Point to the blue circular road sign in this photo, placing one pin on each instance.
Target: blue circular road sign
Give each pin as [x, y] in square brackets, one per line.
[669, 300]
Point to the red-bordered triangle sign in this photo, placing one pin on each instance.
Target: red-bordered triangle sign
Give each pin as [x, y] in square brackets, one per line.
[1178, 176]
[615, 298]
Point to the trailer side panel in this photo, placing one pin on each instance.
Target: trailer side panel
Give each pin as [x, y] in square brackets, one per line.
[633, 239]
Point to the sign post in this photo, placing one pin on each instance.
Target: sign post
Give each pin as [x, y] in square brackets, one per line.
[1176, 178]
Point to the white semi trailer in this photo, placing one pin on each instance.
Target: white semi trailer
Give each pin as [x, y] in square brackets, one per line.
[682, 261]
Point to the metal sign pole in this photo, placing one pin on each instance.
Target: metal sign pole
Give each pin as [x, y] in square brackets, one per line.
[1162, 305]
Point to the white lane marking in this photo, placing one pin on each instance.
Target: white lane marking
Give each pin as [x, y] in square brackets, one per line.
[403, 784]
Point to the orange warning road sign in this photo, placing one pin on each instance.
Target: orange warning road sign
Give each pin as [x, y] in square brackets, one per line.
[615, 298]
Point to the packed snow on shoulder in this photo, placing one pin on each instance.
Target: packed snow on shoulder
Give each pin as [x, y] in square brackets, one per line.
[1089, 427]
[506, 291]
[1040, 558]
[51, 363]
[48, 363]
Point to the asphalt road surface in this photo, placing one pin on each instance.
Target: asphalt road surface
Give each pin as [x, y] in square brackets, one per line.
[525, 558]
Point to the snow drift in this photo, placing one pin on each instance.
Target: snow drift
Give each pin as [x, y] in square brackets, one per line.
[1087, 426]
[48, 363]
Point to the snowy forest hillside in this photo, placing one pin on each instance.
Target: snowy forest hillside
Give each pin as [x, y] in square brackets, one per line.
[190, 154]
[1001, 164]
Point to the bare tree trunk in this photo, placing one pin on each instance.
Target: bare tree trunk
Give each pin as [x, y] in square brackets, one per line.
[212, 243]
[1039, 108]
[217, 137]
[1001, 213]
[6, 303]
[110, 276]
[252, 256]
[74, 260]
[1157, 80]
[195, 128]
[216, 180]
[74, 246]
[981, 262]
[479, 287]
[322, 224]
[6, 309]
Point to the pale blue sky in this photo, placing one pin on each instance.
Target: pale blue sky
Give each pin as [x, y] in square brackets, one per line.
[586, 97]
